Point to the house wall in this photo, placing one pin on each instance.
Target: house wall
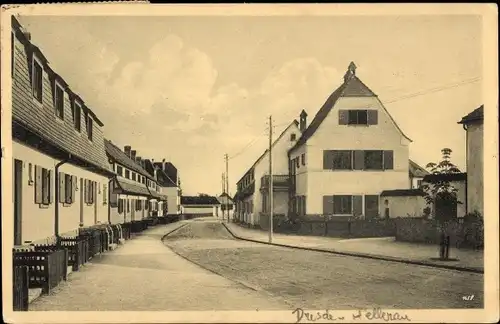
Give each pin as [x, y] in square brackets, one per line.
[200, 210]
[414, 182]
[280, 166]
[330, 135]
[38, 221]
[301, 171]
[475, 175]
[403, 206]
[172, 199]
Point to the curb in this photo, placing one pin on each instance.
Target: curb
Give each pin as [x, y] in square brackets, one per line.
[363, 255]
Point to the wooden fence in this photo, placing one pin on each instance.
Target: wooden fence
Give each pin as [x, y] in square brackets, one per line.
[20, 290]
[46, 269]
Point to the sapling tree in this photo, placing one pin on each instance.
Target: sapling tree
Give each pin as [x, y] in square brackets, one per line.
[441, 188]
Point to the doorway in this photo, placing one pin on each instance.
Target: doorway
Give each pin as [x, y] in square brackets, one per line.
[18, 201]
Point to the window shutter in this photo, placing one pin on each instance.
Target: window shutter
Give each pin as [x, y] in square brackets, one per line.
[343, 117]
[120, 206]
[73, 189]
[38, 184]
[62, 188]
[68, 186]
[328, 205]
[357, 205]
[327, 160]
[371, 206]
[388, 160]
[86, 191]
[359, 160]
[50, 185]
[372, 115]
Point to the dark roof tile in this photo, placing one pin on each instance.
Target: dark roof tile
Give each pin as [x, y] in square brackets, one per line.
[120, 157]
[474, 116]
[199, 200]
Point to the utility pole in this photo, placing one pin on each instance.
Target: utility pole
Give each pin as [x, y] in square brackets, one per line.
[227, 187]
[270, 180]
[223, 191]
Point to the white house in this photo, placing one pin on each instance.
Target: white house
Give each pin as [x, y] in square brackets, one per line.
[129, 193]
[473, 125]
[417, 174]
[253, 188]
[199, 205]
[168, 179]
[353, 150]
[60, 165]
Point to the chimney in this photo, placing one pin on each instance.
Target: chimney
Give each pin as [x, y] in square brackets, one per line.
[133, 153]
[351, 71]
[138, 160]
[127, 149]
[303, 121]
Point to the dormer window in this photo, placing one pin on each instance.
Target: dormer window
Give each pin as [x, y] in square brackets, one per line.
[90, 126]
[59, 100]
[77, 111]
[37, 80]
[293, 137]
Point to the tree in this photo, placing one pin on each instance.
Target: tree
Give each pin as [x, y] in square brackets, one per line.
[441, 187]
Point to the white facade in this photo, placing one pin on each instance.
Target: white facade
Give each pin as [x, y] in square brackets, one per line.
[252, 205]
[38, 220]
[209, 210]
[475, 174]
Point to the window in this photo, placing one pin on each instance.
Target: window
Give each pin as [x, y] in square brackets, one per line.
[37, 80]
[127, 174]
[104, 194]
[297, 162]
[342, 160]
[419, 183]
[138, 204]
[342, 205]
[59, 101]
[128, 206]
[43, 181]
[90, 126]
[303, 157]
[374, 160]
[293, 137]
[358, 117]
[90, 191]
[120, 206]
[77, 111]
[119, 170]
[133, 176]
[68, 188]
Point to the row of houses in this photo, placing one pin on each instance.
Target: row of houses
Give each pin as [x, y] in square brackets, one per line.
[66, 174]
[352, 159]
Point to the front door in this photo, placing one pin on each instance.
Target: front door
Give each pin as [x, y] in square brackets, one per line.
[18, 201]
[82, 189]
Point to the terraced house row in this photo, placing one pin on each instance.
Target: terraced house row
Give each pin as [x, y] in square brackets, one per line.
[351, 160]
[67, 176]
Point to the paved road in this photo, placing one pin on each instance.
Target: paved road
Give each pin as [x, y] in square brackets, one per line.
[145, 275]
[316, 280]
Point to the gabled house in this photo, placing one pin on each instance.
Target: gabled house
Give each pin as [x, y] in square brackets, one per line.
[60, 166]
[129, 193]
[168, 179]
[473, 125]
[354, 149]
[417, 174]
[226, 202]
[252, 197]
[157, 200]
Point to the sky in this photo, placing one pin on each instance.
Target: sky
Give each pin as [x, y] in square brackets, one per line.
[190, 89]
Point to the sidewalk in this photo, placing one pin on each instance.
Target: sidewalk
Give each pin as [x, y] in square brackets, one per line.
[145, 275]
[385, 248]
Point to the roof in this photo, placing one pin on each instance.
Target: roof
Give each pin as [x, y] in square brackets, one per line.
[225, 199]
[134, 188]
[416, 171]
[462, 176]
[352, 87]
[199, 200]
[157, 195]
[19, 30]
[120, 157]
[402, 193]
[294, 122]
[475, 116]
[163, 179]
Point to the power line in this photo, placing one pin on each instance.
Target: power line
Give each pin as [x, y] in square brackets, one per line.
[433, 90]
[251, 143]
